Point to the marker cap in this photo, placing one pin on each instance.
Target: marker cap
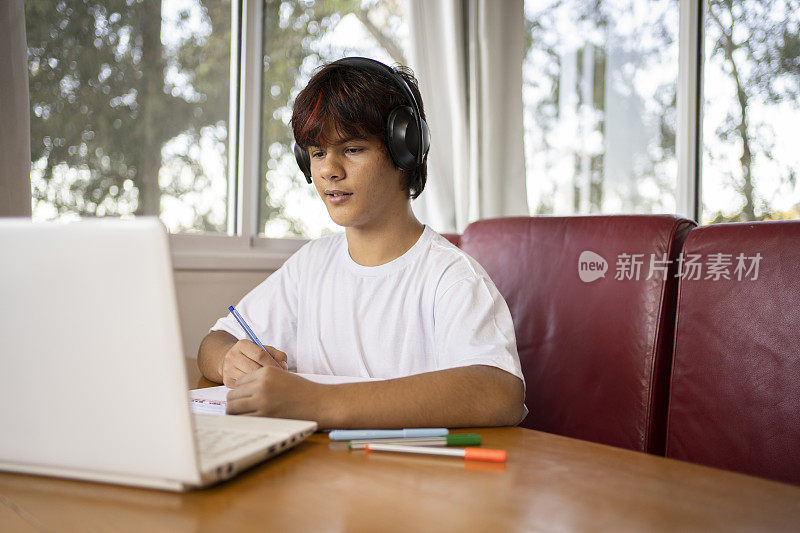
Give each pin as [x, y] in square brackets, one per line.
[464, 439]
[483, 454]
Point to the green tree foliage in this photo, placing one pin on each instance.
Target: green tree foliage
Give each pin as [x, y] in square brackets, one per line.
[124, 106]
[758, 42]
[290, 28]
[589, 33]
[102, 105]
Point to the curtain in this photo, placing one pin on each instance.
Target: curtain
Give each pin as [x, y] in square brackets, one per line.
[468, 55]
[15, 143]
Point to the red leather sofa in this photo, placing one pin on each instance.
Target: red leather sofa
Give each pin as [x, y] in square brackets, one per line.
[594, 301]
[735, 385]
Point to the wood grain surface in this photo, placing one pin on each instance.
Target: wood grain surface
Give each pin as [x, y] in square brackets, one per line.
[549, 483]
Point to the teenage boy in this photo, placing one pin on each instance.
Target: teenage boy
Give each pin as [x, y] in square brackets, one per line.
[389, 298]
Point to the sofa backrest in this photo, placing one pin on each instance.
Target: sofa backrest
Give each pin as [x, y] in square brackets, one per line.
[735, 392]
[595, 354]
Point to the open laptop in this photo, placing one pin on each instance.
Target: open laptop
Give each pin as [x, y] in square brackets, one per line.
[93, 383]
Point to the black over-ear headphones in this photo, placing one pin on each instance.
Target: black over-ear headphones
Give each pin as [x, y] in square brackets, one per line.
[408, 135]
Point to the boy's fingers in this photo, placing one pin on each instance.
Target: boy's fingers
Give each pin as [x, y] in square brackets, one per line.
[272, 357]
[239, 406]
[237, 394]
[276, 354]
[231, 377]
[246, 364]
[245, 379]
[265, 359]
[250, 349]
[254, 352]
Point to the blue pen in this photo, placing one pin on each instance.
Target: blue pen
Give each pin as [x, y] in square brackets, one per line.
[352, 434]
[245, 327]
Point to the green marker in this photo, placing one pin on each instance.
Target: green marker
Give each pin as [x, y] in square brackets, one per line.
[463, 439]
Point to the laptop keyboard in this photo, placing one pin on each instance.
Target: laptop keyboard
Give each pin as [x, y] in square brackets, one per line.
[214, 442]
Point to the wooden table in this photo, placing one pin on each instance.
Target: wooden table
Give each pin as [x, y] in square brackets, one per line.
[549, 483]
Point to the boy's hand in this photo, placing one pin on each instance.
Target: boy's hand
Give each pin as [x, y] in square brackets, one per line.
[271, 391]
[245, 357]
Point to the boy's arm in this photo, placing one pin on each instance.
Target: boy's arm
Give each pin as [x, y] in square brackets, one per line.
[470, 396]
[212, 352]
[223, 358]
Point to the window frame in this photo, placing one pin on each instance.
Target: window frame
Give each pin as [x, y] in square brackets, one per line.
[244, 249]
[689, 132]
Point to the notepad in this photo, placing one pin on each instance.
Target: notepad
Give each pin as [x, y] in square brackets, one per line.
[209, 401]
[213, 400]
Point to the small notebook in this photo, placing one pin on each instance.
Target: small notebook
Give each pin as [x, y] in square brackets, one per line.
[213, 400]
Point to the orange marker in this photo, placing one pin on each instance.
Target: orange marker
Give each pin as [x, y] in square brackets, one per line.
[473, 454]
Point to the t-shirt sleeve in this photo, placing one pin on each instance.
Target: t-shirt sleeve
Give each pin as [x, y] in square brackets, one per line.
[270, 309]
[474, 327]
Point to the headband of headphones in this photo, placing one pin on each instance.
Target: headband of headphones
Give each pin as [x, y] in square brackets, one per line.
[408, 136]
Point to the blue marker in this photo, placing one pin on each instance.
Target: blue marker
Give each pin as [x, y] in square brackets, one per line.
[245, 327]
[353, 434]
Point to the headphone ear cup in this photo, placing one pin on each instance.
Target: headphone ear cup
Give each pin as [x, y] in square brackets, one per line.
[303, 161]
[403, 138]
[426, 139]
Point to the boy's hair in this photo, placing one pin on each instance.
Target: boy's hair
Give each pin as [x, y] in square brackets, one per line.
[355, 101]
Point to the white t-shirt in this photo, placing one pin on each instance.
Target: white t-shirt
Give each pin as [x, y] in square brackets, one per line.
[430, 309]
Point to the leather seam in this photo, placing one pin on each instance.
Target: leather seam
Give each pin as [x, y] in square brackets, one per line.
[681, 288]
[650, 418]
[654, 346]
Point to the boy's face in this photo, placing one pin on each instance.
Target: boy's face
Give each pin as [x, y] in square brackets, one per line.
[358, 182]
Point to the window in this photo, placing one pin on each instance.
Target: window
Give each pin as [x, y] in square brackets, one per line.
[599, 93]
[134, 111]
[751, 111]
[298, 37]
[133, 117]
[130, 110]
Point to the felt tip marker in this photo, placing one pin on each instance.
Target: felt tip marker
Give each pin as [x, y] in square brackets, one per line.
[471, 454]
[461, 439]
[351, 434]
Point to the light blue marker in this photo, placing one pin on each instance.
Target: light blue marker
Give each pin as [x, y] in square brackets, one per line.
[353, 434]
[245, 327]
